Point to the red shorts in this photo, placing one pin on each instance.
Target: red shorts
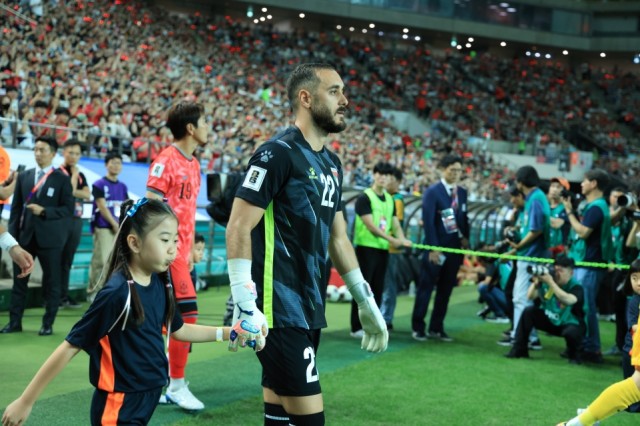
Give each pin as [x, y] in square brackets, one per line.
[181, 279]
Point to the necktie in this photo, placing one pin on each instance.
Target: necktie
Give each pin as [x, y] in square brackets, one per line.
[454, 198]
[38, 177]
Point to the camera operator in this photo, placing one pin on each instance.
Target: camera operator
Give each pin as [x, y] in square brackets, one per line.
[590, 241]
[633, 213]
[558, 309]
[534, 243]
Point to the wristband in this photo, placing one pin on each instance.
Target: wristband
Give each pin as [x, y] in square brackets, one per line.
[357, 285]
[219, 335]
[239, 271]
[7, 241]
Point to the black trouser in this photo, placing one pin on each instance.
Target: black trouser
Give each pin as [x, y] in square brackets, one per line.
[50, 260]
[373, 264]
[534, 317]
[68, 251]
[442, 278]
[620, 306]
[508, 290]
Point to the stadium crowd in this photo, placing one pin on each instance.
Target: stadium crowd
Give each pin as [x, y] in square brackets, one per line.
[110, 70]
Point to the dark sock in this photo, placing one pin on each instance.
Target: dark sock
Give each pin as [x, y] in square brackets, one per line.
[275, 415]
[316, 419]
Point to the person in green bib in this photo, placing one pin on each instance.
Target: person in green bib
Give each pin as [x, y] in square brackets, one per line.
[559, 221]
[534, 242]
[590, 241]
[558, 309]
[376, 229]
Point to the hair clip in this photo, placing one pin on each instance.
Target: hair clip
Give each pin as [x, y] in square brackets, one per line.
[142, 201]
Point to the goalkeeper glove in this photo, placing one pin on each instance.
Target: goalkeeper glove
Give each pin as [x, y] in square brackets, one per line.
[243, 292]
[376, 336]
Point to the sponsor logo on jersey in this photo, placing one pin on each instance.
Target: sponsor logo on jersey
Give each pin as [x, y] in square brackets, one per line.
[266, 156]
[334, 172]
[157, 170]
[254, 178]
[312, 173]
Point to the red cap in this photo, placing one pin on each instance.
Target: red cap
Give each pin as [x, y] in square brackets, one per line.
[562, 181]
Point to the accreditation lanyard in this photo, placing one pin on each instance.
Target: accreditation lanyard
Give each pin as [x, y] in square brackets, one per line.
[35, 188]
[79, 205]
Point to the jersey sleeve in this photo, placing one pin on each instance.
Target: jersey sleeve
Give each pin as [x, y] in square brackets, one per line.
[102, 314]
[97, 192]
[160, 178]
[269, 169]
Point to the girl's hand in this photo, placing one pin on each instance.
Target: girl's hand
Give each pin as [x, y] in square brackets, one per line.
[16, 413]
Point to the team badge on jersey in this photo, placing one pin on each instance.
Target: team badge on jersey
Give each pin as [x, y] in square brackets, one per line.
[312, 173]
[334, 172]
[254, 178]
[266, 156]
[157, 170]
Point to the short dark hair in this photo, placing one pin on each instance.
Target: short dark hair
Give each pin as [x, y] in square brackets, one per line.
[198, 238]
[72, 142]
[111, 155]
[304, 76]
[397, 173]
[49, 141]
[515, 192]
[383, 168]
[182, 114]
[41, 104]
[618, 189]
[63, 110]
[448, 160]
[633, 268]
[528, 176]
[565, 261]
[600, 176]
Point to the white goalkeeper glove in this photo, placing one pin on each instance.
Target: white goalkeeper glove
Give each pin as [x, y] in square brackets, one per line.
[376, 336]
[249, 324]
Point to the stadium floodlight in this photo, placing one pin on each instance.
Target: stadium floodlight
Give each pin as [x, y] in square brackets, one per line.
[470, 40]
[264, 10]
[503, 43]
[406, 30]
[454, 41]
[302, 15]
[338, 27]
[250, 12]
[603, 55]
[565, 52]
[372, 25]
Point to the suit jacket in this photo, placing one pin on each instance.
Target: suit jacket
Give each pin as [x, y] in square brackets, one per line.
[55, 195]
[436, 199]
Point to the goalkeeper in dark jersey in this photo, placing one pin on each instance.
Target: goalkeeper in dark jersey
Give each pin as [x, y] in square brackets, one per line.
[285, 224]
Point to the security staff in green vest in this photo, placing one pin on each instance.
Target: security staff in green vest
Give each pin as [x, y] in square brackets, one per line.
[376, 227]
[558, 309]
[590, 241]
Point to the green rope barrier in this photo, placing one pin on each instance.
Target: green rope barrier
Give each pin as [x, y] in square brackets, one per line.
[515, 257]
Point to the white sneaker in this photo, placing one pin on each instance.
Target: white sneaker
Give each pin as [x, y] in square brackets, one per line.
[357, 334]
[184, 399]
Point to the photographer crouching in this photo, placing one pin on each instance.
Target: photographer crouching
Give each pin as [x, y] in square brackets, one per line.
[558, 309]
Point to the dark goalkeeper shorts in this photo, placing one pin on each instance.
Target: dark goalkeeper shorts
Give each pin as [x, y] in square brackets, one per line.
[289, 362]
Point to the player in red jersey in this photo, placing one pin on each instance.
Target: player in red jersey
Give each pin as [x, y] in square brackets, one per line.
[175, 176]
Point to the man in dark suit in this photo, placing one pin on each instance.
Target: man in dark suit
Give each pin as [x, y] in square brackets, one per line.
[40, 212]
[445, 224]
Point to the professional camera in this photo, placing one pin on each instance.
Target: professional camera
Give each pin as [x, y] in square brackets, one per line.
[633, 214]
[512, 235]
[501, 247]
[538, 270]
[626, 200]
[565, 193]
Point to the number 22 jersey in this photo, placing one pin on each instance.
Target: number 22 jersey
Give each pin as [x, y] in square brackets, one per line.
[300, 190]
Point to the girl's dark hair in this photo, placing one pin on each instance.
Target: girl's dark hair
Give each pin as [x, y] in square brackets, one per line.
[634, 268]
[140, 218]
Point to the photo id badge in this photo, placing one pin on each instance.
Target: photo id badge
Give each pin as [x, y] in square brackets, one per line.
[449, 221]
